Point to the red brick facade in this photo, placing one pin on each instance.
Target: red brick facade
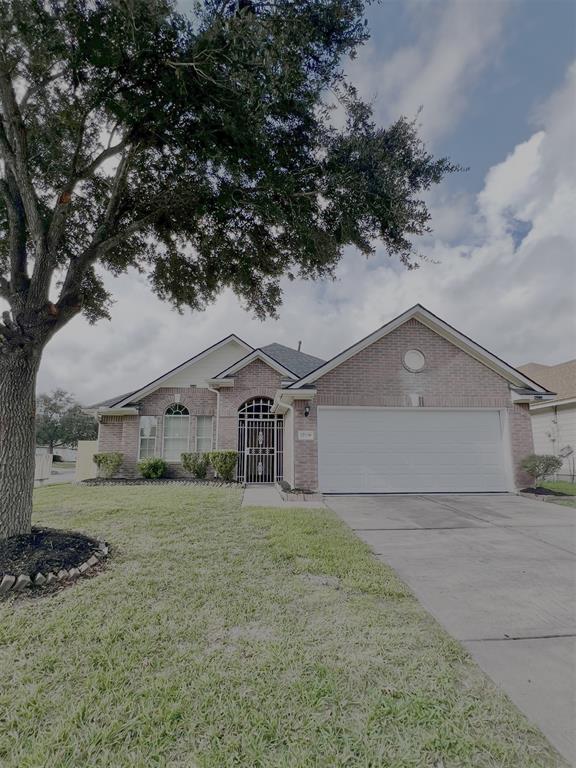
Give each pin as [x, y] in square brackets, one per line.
[374, 376]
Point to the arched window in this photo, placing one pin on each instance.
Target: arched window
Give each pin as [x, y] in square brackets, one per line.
[176, 431]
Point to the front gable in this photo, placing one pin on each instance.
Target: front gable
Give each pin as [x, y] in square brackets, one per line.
[377, 374]
[453, 351]
[196, 371]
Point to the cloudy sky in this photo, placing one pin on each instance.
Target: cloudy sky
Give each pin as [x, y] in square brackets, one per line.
[497, 83]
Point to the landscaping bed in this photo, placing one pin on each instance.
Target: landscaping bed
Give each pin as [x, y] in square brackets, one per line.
[542, 491]
[46, 555]
[161, 481]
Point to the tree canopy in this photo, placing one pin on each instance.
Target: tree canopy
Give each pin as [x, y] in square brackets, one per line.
[223, 148]
[199, 149]
[61, 422]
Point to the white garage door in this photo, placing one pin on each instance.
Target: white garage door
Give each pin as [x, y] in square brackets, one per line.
[375, 450]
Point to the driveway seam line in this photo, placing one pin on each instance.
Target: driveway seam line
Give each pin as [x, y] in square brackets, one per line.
[506, 527]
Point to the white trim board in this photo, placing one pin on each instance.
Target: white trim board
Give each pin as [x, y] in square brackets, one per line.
[552, 403]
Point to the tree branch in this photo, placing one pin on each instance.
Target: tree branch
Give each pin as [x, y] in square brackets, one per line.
[38, 86]
[17, 234]
[15, 152]
[102, 241]
[4, 288]
[62, 206]
[89, 169]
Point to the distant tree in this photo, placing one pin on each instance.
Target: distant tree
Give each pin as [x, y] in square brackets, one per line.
[61, 422]
[198, 149]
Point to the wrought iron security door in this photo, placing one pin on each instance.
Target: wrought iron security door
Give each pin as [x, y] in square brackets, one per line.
[260, 442]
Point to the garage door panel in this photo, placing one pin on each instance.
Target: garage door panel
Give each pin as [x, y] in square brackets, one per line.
[378, 450]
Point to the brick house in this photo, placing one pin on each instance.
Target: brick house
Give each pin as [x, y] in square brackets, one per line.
[414, 407]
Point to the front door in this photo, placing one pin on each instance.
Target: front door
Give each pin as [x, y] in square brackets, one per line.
[259, 442]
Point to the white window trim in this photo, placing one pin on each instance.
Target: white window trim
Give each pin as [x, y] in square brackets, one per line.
[163, 454]
[148, 415]
[205, 416]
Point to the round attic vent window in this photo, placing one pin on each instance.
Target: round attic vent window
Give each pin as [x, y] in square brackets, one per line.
[414, 360]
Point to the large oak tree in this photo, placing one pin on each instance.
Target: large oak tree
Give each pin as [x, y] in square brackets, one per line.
[201, 149]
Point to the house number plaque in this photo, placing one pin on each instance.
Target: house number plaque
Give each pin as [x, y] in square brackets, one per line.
[305, 434]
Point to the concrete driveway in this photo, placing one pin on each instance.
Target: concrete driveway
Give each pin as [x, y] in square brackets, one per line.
[499, 572]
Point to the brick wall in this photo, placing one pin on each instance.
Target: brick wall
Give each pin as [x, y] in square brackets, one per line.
[521, 441]
[376, 376]
[122, 433]
[255, 380]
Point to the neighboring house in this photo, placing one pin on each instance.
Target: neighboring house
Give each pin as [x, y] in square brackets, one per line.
[554, 421]
[414, 407]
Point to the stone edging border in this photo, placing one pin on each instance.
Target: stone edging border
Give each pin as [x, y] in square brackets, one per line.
[23, 581]
[131, 482]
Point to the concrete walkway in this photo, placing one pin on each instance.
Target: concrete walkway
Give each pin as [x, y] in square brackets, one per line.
[57, 478]
[268, 496]
[499, 572]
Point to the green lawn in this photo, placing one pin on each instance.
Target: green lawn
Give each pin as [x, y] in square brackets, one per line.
[226, 637]
[560, 485]
[63, 464]
[563, 487]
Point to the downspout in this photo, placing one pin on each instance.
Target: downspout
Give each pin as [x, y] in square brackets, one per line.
[293, 421]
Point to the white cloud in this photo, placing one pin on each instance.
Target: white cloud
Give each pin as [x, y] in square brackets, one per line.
[454, 43]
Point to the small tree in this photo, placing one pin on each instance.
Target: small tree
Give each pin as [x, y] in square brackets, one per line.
[197, 148]
[540, 466]
[61, 422]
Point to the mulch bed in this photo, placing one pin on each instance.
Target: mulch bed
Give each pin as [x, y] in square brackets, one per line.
[44, 550]
[539, 491]
[162, 481]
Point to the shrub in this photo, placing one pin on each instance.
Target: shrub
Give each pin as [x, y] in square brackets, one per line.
[224, 463]
[540, 466]
[56, 457]
[108, 463]
[153, 468]
[196, 463]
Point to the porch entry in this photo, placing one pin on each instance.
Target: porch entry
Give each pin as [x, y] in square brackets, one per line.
[260, 442]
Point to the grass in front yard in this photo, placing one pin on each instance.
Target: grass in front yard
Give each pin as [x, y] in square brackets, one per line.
[63, 464]
[220, 637]
[563, 486]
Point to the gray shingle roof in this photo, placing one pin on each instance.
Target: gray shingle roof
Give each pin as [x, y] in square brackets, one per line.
[111, 401]
[299, 363]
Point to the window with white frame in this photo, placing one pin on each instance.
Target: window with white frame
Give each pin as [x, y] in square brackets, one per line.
[148, 431]
[204, 434]
[176, 431]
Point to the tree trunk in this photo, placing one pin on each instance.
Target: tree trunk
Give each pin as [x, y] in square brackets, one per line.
[18, 371]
